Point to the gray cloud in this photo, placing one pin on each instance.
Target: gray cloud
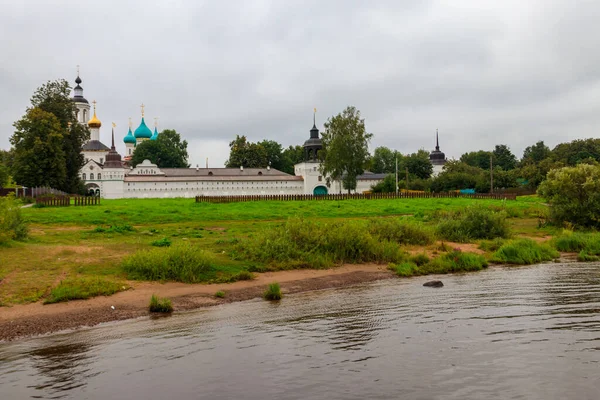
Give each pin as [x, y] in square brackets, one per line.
[484, 73]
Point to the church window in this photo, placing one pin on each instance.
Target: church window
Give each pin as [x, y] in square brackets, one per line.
[210, 173]
[320, 178]
[129, 151]
[98, 175]
[259, 172]
[84, 115]
[101, 160]
[84, 176]
[92, 176]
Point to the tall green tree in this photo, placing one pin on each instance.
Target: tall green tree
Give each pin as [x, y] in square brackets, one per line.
[536, 153]
[387, 185]
[479, 159]
[167, 151]
[574, 195]
[345, 148]
[574, 152]
[418, 164]
[274, 153]
[384, 160]
[243, 153]
[291, 156]
[54, 97]
[5, 162]
[39, 156]
[504, 158]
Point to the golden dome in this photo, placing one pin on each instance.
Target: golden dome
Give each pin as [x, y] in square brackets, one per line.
[94, 122]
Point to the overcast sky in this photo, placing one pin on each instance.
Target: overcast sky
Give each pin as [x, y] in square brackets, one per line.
[482, 72]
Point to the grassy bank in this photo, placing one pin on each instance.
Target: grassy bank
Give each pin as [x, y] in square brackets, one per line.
[122, 240]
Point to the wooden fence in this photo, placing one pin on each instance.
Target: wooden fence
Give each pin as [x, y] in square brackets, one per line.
[371, 196]
[65, 201]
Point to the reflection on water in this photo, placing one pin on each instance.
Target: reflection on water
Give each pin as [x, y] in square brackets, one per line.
[531, 333]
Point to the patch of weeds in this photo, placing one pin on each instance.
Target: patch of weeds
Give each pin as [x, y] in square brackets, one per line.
[419, 259]
[491, 245]
[273, 292]
[524, 252]
[584, 256]
[160, 305]
[220, 294]
[472, 223]
[164, 242]
[83, 288]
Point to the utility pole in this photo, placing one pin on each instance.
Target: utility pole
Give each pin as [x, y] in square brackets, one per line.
[491, 176]
[396, 175]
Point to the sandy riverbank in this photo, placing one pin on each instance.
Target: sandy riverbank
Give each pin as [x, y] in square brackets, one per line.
[37, 318]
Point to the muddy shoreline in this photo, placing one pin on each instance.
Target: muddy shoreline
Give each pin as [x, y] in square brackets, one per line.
[37, 319]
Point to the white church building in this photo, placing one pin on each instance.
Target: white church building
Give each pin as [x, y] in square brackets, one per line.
[108, 175]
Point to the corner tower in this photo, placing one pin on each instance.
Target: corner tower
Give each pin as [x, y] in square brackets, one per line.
[313, 145]
[437, 157]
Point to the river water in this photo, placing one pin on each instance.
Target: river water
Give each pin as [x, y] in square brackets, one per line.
[505, 333]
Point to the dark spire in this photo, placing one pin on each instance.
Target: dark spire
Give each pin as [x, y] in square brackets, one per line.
[437, 141]
[314, 132]
[113, 159]
[112, 147]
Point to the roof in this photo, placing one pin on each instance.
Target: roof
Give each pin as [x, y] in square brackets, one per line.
[258, 178]
[94, 145]
[224, 172]
[371, 176]
[129, 138]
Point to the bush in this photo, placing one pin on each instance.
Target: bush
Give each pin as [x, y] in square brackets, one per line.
[491, 245]
[307, 244]
[12, 224]
[585, 256]
[524, 252]
[454, 261]
[220, 294]
[244, 276]
[114, 229]
[273, 292]
[164, 242]
[83, 288]
[182, 263]
[160, 305]
[574, 195]
[472, 223]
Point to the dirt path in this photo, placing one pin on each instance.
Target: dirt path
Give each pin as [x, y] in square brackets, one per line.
[34, 319]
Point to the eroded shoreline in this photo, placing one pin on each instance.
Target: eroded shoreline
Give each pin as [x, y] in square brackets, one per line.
[22, 321]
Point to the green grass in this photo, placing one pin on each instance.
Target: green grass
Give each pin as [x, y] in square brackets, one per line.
[524, 252]
[160, 305]
[573, 242]
[273, 292]
[585, 256]
[164, 211]
[454, 261]
[164, 242]
[301, 243]
[80, 288]
[220, 294]
[472, 223]
[182, 263]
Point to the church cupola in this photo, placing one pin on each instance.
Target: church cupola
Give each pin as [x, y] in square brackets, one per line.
[94, 124]
[437, 157]
[83, 106]
[142, 132]
[313, 145]
[155, 135]
[130, 142]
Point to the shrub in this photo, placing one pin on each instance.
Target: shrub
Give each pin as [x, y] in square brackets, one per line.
[524, 252]
[182, 263]
[83, 288]
[472, 223]
[12, 224]
[574, 195]
[114, 229]
[307, 244]
[244, 276]
[573, 242]
[419, 259]
[160, 305]
[220, 294]
[273, 292]
[454, 261]
[164, 242]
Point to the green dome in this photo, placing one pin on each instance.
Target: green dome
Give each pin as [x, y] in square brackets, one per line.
[129, 138]
[155, 136]
[142, 131]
